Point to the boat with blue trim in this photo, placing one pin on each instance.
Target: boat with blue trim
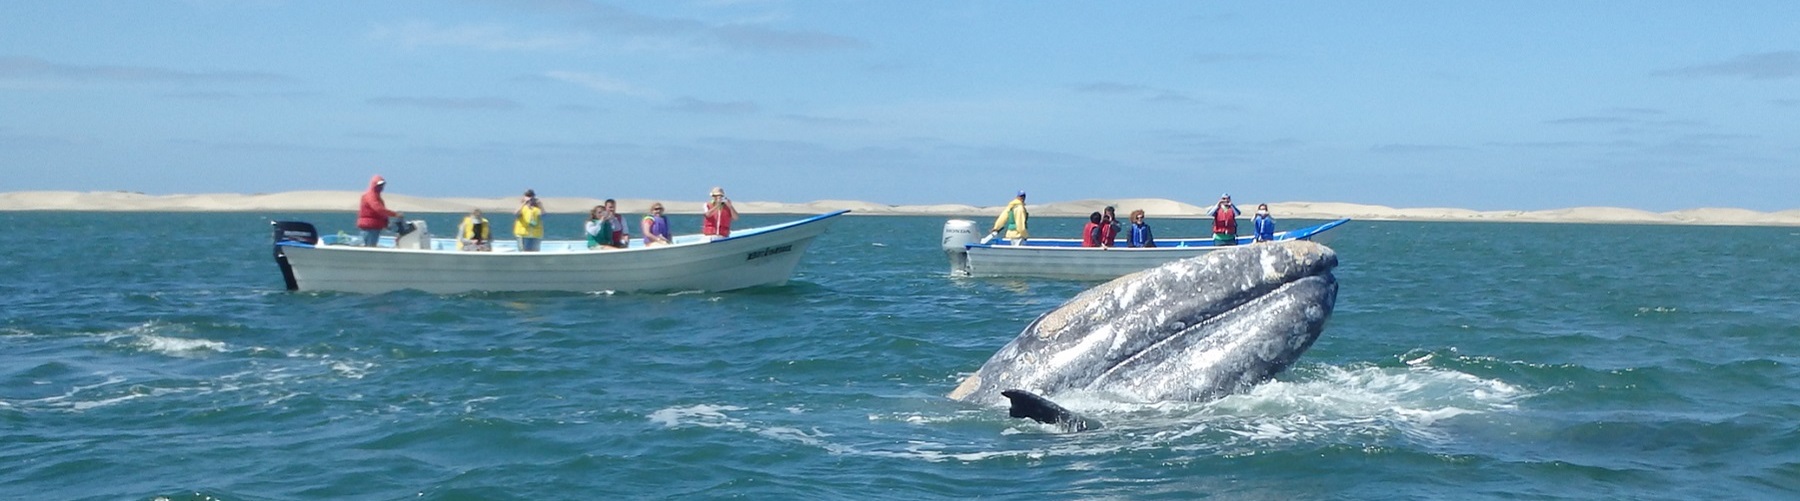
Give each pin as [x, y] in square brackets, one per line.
[750, 257]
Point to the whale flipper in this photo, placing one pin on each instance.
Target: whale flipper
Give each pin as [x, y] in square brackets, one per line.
[1028, 405]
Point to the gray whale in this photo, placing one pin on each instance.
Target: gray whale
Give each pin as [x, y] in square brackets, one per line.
[1190, 330]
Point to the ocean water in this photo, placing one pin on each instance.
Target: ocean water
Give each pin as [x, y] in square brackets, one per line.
[156, 356]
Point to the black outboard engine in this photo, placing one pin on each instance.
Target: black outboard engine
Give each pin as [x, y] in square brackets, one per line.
[296, 232]
[401, 228]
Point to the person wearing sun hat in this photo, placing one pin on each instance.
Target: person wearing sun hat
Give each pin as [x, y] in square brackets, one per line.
[1012, 220]
[715, 222]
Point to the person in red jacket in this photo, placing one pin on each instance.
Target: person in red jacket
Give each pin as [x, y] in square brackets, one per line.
[373, 215]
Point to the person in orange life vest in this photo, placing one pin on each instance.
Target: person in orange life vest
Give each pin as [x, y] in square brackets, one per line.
[1224, 216]
[715, 222]
[1109, 227]
[373, 213]
[1090, 234]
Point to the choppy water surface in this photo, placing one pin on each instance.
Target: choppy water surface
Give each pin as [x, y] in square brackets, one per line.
[155, 355]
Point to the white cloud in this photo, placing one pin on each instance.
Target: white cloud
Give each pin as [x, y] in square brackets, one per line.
[601, 83]
[419, 34]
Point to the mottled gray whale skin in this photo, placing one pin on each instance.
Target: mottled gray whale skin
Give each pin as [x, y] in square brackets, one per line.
[1190, 330]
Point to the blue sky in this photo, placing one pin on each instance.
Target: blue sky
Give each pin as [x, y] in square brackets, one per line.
[1483, 105]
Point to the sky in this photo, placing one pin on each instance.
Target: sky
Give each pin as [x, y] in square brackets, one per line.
[1516, 105]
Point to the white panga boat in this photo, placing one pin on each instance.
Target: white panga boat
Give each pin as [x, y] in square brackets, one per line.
[1065, 258]
[750, 257]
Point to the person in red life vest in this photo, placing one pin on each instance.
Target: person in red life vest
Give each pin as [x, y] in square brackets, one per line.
[1090, 234]
[373, 214]
[1109, 227]
[1224, 221]
[715, 222]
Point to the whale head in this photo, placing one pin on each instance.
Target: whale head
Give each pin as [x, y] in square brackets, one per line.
[1190, 330]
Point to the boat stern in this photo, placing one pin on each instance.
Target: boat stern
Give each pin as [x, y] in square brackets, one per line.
[958, 234]
[291, 233]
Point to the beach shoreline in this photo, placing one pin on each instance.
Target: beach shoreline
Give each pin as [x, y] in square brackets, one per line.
[346, 201]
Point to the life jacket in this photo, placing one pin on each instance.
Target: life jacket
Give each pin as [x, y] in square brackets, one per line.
[717, 223]
[1090, 234]
[1225, 220]
[475, 229]
[1012, 220]
[529, 223]
[1140, 235]
[1109, 233]
[659, 226]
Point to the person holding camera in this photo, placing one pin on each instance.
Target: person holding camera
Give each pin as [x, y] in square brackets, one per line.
[528, 222]
[715, 222]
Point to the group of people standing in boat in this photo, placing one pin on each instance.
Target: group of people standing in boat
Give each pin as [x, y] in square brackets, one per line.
[1103, 228]
[605, 228]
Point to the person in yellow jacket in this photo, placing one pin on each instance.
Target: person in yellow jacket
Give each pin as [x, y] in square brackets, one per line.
[1012, 220]
[475, 233]
[528, 222]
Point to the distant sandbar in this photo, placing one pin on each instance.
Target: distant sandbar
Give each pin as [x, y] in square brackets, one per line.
[346, 201]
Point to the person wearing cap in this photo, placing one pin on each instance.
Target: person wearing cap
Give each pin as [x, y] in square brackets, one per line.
[475, 234]
[715, 221]
[1224, 216]
[1012, 220]
[373, 213]
[1265, 225]
[528, 222]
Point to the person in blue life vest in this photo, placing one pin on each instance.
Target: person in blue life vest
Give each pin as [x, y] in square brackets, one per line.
[1224, 216]
[1139, 233]
[1265, 225]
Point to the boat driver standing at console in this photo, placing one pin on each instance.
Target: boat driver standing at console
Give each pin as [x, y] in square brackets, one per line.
[1012, 220]
[373, 214]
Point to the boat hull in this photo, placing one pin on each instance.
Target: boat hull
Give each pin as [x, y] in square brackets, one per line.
[757, 257]
[1066, 259]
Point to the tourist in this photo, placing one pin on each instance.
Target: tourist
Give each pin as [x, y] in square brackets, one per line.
[1109, 227]
[1090, 233]
[528, 222]
[373, 213]
[715, 221]
[605, 229]
[1012, 220]
[1140, 231]
[656, 227]
[1224, 216]
[1265, 225]
[474, 234]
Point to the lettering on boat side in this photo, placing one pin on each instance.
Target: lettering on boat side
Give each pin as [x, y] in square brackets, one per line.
[768, 251]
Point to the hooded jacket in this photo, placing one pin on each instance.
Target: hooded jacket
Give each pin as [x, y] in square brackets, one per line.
[373, 214]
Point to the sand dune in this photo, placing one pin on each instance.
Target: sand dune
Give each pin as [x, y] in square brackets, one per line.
[345, 201]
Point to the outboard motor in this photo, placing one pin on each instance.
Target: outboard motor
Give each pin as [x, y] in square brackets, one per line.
[412, 235]
[292, 231]
[958, 234]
